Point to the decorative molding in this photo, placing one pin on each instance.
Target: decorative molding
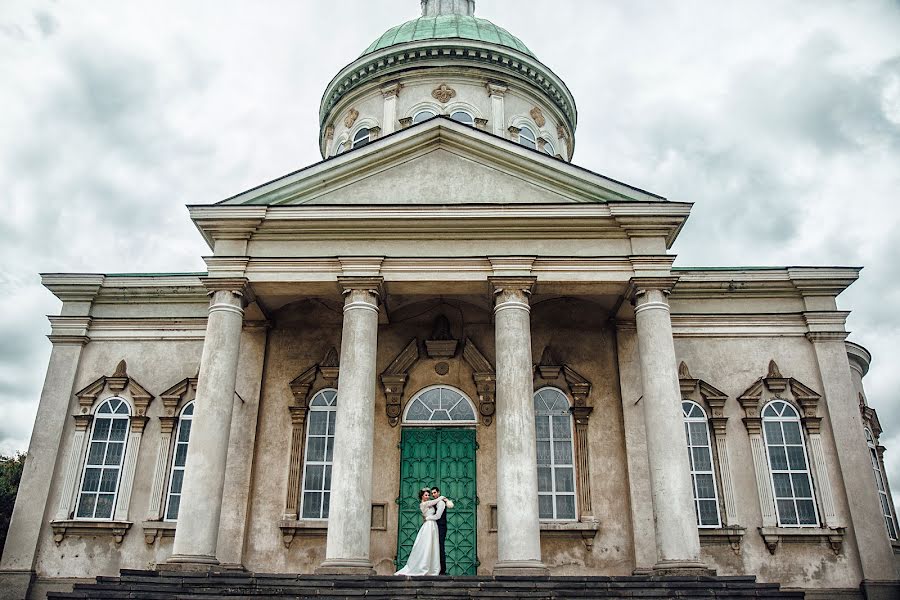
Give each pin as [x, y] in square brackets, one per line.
[485, 380]
[350, 118]
[441, 344]
[538, 115]
[155, 530]
[732, 535]
[481, 124]
[586, 530]
[72, 528]
[298, 408]
[393, 379]
[443, 93]
[291, 528]
[773, 536]
[406, 122]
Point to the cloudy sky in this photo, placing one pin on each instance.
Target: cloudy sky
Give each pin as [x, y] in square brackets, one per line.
[779, 119]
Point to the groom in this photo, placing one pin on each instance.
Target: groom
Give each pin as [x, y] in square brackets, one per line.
[441, 513]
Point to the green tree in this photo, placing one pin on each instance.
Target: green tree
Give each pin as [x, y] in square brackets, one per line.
[10, 475]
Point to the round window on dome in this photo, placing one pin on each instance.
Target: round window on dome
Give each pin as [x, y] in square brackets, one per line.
[461, 116]
[527, 138]
[361, 138]
[423, 115]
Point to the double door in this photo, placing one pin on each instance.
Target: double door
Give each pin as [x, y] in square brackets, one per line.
[443, 457]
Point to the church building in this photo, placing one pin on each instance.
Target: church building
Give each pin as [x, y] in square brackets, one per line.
[447, 300]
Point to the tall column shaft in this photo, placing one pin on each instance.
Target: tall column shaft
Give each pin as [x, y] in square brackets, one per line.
[204, 479]
[518, 521]
[677, 538]
[349, 522]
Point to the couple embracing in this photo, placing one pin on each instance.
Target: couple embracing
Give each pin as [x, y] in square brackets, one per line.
[428, 556]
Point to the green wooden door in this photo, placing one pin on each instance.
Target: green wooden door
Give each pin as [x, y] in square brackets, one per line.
[442, 457]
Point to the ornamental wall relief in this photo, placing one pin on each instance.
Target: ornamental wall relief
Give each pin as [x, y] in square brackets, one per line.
[443, 93]
[538, 115]
[351, 117]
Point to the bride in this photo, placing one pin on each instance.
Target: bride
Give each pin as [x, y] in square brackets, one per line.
[425, 557]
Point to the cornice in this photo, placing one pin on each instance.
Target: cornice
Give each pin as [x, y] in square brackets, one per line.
[770, 282]
[860, 358]
[738, 325]
[148, 329]
[73, 287]
[391, 61]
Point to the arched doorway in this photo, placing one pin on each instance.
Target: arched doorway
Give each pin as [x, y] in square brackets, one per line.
[437, 448]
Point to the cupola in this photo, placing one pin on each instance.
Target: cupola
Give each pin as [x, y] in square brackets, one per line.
[448, 62]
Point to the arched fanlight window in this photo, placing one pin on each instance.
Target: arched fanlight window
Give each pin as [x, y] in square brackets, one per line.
[461, 116]
[318, 456]
[361, 138]
[527, 137]
[555, 464]
[548, 148]
[886, 510]
[423, 115]
[439, 405]
[179, 459]
[341, 147]
[703, 477]
[103, 466]
[789, 466]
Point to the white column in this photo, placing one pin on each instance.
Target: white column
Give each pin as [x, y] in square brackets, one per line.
[498, 111]
[389, 122]
[201, 500]
[349, 523]
[518, 521]
[854, 463]
[677, 538]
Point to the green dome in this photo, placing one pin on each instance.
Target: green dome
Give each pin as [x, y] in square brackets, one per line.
[448, 27]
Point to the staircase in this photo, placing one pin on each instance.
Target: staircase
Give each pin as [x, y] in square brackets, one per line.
[165, 585]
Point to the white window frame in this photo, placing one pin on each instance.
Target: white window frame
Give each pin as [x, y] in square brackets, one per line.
[440, 423]
[794, 418]
[533, 139]
[430, 111]
[120, 467]
[548, 147]
[465, 112]
[325, 463]
[553, 464]
[182, 419]
[884, 499]
[704, 419]
[359, 142]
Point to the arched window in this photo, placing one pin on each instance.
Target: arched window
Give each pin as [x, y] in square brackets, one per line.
[706, 498]
[341, 147]
[555, 465]
[548, 148]
[889, 521]
[789, 466]
[361, 138]
[423, 115]
[440, 405]
[527, 137]
[461, 116]
[103, 466]
[318, 456]
[179, 458]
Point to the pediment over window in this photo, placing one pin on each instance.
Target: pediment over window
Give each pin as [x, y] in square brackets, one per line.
[117, 383]
[775, 385]
[697, 389]
[550, 370]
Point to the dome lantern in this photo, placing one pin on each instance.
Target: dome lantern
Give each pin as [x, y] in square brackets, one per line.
[434, 8]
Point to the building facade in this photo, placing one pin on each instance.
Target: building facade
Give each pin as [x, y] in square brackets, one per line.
[446, 299]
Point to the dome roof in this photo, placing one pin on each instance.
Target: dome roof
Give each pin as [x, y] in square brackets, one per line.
[448, 26]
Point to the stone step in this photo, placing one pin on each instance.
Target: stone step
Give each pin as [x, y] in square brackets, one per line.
[236, 585]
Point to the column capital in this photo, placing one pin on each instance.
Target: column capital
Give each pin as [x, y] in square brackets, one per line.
[511, 292]
[371, 284]
[239, 286]
[639, 286]
[496, 89]
[391, 91]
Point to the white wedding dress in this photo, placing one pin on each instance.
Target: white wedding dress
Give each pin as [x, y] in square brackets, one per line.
[425, 557]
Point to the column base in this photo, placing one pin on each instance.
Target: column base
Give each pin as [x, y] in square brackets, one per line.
[682, 568]
[346, 566]
[191, 563]
[520, 568]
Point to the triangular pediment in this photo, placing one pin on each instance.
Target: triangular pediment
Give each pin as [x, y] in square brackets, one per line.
[441, 162]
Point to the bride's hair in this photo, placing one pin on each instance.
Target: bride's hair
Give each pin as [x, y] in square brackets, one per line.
[422, 492]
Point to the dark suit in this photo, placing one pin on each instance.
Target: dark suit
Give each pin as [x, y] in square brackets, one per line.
[442, 535]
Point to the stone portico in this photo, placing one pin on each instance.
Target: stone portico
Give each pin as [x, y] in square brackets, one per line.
[446, 296]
